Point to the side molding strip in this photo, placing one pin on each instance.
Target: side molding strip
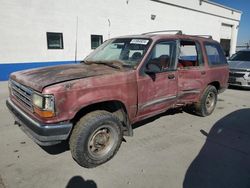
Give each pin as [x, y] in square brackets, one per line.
[157, 101]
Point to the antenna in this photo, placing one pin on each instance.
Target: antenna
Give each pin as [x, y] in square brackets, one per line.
[177, 32]
[109, 22]
[247, 45]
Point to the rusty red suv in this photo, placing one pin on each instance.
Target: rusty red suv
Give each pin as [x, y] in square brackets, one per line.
[94, 104]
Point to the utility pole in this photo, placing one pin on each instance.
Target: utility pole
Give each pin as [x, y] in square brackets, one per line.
[247, 45]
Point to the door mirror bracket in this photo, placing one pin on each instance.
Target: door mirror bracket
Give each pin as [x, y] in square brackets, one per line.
[152, 68]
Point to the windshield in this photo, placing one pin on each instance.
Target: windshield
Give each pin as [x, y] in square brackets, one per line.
[128, 51]
[241, 56]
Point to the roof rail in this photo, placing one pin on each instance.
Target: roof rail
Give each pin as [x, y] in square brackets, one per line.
[203, 36]
[178, 32]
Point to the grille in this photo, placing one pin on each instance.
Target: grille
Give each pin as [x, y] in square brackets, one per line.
[235, 74]
[231, 80]
[22, 94]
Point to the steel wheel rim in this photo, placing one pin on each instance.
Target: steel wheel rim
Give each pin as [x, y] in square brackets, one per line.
[210, 101]
[102, 141]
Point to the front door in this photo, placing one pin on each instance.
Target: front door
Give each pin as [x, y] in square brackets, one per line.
[157, 83]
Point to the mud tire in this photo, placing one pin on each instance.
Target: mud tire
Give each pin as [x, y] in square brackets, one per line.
[207, 103]
[91, 133]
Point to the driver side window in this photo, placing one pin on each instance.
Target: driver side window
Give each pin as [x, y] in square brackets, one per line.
[163, 55]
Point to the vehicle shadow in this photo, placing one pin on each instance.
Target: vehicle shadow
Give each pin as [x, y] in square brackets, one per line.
[151, 119]
[79, 182]
[224, 160]
[56, 149]
[238, 88]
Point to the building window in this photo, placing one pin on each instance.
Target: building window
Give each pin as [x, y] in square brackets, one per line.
[96, 40]
[55, 40]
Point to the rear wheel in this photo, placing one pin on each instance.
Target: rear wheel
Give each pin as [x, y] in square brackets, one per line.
[95, 139]
[208, 102]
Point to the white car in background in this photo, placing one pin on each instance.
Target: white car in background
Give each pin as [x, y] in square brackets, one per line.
[239, 65]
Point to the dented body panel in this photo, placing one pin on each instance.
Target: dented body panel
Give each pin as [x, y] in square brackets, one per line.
[83, 89]
[40, 78]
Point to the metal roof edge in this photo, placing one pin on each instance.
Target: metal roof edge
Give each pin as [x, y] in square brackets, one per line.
[196, 10]
[222, 6]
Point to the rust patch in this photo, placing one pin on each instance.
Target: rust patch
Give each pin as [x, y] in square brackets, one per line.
[38, 79]
[61, 101]
[68, 85]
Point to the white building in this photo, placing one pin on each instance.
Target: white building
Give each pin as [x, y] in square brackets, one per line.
[37, 33]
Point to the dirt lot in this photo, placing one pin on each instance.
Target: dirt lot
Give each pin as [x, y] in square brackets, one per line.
[175, 149]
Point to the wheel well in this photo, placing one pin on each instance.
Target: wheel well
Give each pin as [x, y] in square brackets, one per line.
[115, 107]
[216, 84]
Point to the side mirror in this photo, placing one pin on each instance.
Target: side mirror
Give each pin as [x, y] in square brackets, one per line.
[152, 68]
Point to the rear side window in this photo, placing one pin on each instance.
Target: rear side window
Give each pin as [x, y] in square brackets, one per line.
[190, 54]
[215, 54]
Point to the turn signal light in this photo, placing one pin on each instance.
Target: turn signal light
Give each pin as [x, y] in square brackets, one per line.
[44, 113]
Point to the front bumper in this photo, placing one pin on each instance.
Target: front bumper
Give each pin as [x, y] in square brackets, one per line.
[43, 134]
[239, 78]
[241, 82]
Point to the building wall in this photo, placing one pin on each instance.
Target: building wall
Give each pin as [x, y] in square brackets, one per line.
[24, 24]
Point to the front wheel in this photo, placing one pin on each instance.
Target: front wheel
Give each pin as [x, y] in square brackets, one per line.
[208, 101]
[95, 139]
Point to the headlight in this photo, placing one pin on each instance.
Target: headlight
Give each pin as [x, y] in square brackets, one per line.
[38, 101]
[44, 105]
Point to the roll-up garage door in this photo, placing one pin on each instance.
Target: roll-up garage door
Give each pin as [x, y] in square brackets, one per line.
[225, 31]
[225, 37]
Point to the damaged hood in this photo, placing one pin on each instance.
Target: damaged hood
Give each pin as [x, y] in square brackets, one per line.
[38, 79]
[241, 65]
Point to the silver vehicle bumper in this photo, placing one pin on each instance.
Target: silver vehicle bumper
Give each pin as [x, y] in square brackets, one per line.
[243, 81]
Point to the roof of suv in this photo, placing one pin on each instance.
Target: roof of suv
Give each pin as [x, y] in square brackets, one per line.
[170, 36]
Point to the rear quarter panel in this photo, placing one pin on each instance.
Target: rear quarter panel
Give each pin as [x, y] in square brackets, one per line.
[215, 73]
[219, 74]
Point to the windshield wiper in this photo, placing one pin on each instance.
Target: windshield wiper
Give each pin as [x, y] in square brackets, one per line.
[110, 64]
[128, 65]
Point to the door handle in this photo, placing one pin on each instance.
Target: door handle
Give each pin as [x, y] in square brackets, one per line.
[171, 76]
[203, 72]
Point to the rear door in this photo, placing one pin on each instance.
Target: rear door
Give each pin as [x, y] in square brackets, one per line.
[191, 71]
